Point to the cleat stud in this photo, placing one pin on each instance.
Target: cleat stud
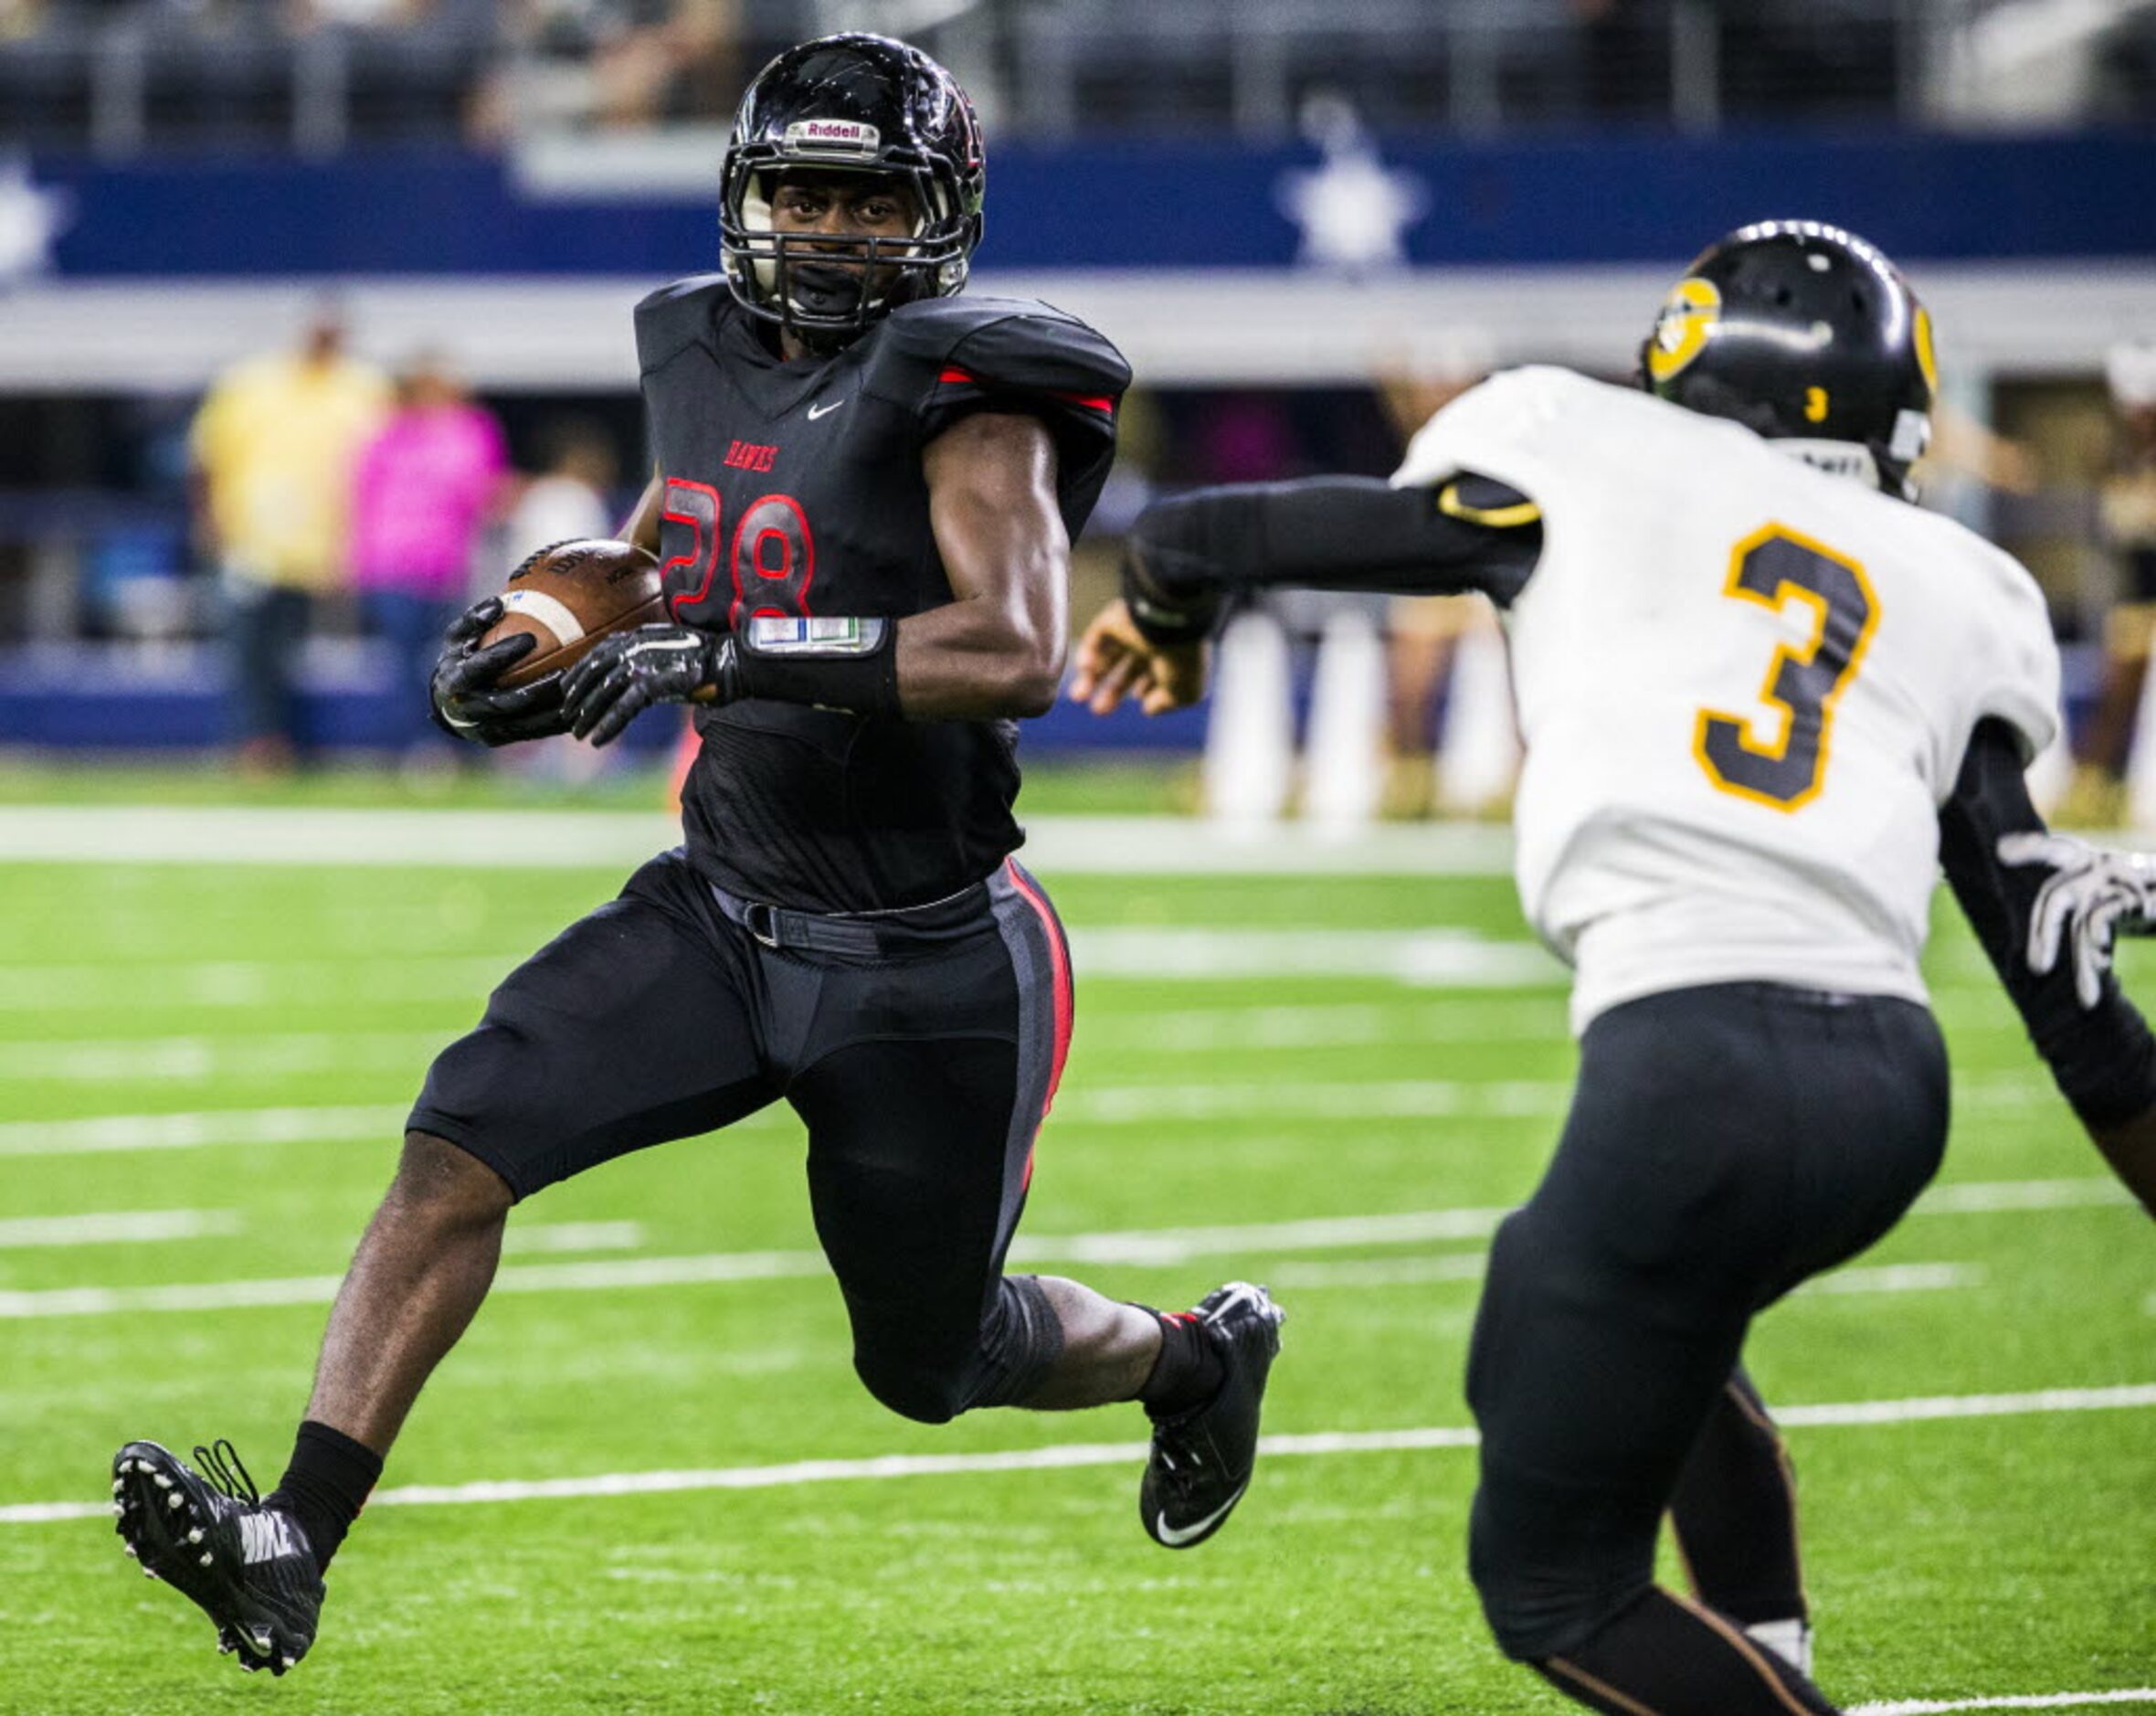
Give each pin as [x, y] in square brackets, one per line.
[119, 1510]
[288, 1661]
[174, 1499]
[208, 1558]
[148, 1574]
[118, 1485]
[132, 1554]
[161, 1481]
[194, 1536]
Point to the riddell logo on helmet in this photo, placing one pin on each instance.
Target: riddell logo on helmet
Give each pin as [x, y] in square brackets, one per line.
[847, 135]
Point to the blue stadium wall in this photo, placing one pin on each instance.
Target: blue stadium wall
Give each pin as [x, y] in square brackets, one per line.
[1131, 206]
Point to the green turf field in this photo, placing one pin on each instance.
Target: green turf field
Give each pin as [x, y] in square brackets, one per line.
[261, 1027]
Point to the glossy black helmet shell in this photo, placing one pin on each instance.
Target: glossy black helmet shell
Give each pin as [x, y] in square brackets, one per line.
[860, 103]
[1804, 331]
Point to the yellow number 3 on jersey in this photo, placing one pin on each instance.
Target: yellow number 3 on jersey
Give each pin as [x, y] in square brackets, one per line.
[1773, 566]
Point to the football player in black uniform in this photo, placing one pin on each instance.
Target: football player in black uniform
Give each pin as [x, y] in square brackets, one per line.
[1728, 1138]
[865, 491]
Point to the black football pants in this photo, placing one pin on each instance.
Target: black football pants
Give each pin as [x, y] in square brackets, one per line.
[1724, 1144]
[922, 1047]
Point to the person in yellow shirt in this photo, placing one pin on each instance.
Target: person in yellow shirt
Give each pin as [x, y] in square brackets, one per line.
[274, 448]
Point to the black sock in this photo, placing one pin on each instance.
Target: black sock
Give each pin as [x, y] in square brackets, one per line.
[1663, 1656]
[326, 1485]
[1188, 1372]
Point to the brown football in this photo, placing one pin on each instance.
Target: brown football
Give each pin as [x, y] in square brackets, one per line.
[572, 595]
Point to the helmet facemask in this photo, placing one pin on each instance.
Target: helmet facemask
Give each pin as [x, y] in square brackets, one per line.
[827, 287]
[846, 105]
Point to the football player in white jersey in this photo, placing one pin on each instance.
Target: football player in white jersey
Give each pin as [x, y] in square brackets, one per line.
[1764, 698]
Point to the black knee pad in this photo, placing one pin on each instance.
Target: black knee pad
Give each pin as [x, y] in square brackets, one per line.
[1021, 1339]
[1545, 1590]
[913, 1387]
[1019, 1343]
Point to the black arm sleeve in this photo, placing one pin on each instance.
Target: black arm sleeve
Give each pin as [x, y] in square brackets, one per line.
[1189, 555]
[2104, 1057]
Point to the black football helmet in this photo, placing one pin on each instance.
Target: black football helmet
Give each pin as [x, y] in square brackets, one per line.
[851, 103]
[1802, 333]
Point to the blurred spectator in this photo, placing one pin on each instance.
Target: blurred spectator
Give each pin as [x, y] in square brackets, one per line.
[274, 448]
[618, 64]
[1424, 633]
[430, 480]
[2128, 513]
[568, 498]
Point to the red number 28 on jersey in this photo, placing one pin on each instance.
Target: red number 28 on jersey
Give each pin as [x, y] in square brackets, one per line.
[771, 557]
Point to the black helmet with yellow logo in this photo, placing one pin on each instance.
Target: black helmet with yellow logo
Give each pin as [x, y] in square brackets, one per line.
[1806, 333]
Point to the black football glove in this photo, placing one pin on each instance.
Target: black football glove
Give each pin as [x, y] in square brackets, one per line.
[625, 674]
[466, 706]
[1165, 616]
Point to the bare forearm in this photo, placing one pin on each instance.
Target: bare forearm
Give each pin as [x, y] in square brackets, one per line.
[997, 651]
[967, 662]
[642, 526]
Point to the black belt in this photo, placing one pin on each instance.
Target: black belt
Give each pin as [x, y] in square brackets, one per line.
[861, 933]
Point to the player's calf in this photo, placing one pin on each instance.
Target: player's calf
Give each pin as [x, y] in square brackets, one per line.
[245, 1564]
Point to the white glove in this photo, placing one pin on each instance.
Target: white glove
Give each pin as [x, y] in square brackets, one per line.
[2093, 896]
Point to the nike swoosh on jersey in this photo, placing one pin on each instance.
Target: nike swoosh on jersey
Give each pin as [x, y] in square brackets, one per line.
[816, 411]
[1174, 1539]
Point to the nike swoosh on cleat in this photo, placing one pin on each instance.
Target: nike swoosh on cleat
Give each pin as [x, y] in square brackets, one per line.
[816, 411]
[1174, 1539]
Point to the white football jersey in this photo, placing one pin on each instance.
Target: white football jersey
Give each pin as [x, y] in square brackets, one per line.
[1745, 687]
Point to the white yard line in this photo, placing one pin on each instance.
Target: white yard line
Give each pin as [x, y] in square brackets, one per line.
[2028, 1700]
[91, 1135]
[1858, 1412]
[1313, 1099]
[1896, 1278]
[1144, 1247]
[1427, 958]
[552, 840]
[522, 1238]
[1893, 1277]
[198, 1059]
[1325, 1025]
[192, 984]
[1083, 1103]
[132, 1227]
[1979, 1197]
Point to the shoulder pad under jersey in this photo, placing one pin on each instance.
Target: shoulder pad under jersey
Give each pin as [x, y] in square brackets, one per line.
[971, 347]
[676, 316]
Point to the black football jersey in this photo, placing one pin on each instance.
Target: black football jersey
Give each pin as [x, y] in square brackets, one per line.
[796, 489]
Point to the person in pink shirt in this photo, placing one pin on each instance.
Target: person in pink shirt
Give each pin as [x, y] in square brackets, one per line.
[427, 484]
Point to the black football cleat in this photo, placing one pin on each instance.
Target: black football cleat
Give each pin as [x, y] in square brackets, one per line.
[248, 1567]
[1201, 1459]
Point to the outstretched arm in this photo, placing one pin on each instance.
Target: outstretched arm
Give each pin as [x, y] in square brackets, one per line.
[2001, 862]
[1188, 558]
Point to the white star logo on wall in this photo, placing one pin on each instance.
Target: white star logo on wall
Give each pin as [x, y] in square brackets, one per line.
[1354, 210]
[30, 219]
